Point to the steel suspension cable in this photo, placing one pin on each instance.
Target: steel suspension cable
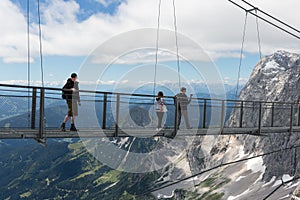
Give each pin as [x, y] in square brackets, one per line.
[40, 41]
[157, 45]
[156, 48]
[241, 55]
[269, 22]
[218, 166]
[258, 36]
[28, 60]
[176, 43]
[282, 184]
[43, 120]
[272, 17]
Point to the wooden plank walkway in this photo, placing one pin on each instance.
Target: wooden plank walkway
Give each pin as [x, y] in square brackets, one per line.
[15, 133]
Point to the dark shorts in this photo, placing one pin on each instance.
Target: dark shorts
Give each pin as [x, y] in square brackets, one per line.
[72, 108]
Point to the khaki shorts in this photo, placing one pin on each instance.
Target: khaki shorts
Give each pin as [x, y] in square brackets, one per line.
[72, 108]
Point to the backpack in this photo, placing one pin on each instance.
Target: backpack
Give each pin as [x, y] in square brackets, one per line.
[63, 95]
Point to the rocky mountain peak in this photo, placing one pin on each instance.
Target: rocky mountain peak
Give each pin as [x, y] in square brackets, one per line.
[274, 78]
[285, 59]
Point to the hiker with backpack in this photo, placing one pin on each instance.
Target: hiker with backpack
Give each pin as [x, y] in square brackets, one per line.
[70, 92]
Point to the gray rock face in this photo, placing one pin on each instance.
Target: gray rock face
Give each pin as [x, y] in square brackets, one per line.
[296, 193]
[274, 78]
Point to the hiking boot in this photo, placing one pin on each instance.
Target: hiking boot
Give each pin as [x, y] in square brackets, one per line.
[73, 128]
[63, 127]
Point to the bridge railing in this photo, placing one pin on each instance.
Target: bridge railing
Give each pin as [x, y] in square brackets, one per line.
[259, 114]
[41, 108]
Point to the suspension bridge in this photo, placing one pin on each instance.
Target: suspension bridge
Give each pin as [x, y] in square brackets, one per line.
[269, 117]
[211, 118]
[37, 98]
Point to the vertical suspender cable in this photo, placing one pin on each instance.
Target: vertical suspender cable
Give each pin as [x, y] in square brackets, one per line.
[258, 36]
[176, 42]
[156, 50]
[241, 55]
[42, 116]
[157, 43]
[41, 47]
[156, 54]
[28, 59]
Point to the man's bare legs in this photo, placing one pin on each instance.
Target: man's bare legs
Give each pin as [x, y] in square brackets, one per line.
[67, 117]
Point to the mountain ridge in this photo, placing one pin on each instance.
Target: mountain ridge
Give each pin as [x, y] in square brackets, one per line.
[274, 78]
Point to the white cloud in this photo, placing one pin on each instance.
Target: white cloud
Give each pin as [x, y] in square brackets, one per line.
[60, 12]
[216, 25]
[243, 80]
[231, 81]
[62, 82]
[33, 83]
[13, 33]
[106, 3]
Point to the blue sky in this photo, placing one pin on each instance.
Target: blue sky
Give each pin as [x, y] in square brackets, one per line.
[73, 29]
[88, 7]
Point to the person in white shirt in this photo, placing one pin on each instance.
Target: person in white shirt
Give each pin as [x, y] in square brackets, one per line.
[160, 109]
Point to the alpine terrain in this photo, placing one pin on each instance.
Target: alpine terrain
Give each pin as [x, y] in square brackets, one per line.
[250, 166]
[256, 166]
